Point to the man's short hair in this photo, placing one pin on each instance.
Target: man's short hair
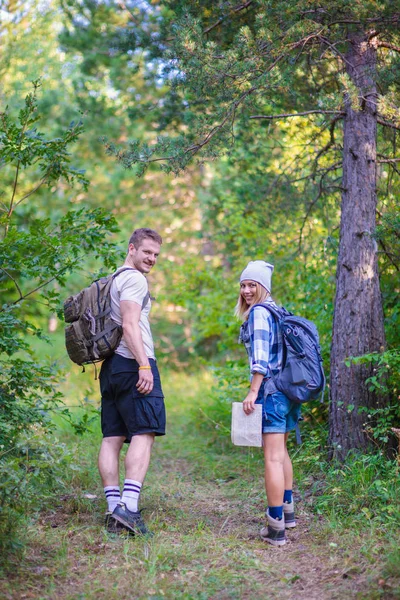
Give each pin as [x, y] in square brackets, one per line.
[139, 235]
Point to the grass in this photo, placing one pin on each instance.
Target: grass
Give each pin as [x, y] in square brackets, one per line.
[205, 502]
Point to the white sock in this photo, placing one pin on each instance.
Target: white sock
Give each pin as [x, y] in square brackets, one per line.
[131, 493]
[113, 496]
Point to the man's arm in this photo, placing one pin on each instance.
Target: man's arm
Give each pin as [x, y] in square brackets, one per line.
[130, 314]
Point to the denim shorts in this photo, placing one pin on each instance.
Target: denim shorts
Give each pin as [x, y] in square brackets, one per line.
[280, 414]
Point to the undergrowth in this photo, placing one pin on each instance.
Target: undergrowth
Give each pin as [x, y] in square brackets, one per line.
[363, 490]
[194, 475]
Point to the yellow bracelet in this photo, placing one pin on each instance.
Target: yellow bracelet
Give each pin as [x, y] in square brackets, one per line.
[145, 367]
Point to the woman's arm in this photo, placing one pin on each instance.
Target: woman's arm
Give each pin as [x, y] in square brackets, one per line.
[250, 400]
[259, 330]
[260, 340]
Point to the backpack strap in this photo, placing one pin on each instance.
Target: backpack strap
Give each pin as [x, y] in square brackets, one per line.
[105, 331]
[298, 434]
[275, 312]
[279, 314]
[146, 299]
[119, 271]
[270, 387]
[147, 296]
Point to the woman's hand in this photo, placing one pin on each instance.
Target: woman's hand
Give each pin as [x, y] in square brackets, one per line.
[249, 402]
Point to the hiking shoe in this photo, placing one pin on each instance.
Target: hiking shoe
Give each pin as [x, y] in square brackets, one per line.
[288, 513]
[131, 520]
[274, 533]
[111, 525]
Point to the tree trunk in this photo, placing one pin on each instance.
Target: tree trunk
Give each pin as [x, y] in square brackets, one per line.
[358, 315]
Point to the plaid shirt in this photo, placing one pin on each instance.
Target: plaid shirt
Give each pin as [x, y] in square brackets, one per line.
[263, 341]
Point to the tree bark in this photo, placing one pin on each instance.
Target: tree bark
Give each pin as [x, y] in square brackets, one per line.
[358, 315]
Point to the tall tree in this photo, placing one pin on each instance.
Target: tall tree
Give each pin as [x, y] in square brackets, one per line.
[232, 65]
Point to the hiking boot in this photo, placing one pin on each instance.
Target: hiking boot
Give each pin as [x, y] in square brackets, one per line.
[288, 513]
[131, 520]
[274, 533]
[111, 525]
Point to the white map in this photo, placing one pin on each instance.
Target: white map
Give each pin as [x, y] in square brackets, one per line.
[246, 429]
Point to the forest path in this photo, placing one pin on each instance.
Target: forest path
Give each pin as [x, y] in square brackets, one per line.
[205, 507]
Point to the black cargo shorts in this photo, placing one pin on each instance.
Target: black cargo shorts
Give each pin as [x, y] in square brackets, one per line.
[124, 410]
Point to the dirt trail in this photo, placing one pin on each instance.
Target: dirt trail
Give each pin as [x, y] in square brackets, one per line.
[310, 566]
[206, 545]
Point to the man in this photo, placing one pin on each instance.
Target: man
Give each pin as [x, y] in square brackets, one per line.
[132, 401]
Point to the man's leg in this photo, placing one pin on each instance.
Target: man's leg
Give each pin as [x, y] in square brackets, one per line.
[137, 462]
[109, 470]
[109, 460]
[137, 458]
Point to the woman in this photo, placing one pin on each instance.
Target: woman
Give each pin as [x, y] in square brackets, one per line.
[263, 341]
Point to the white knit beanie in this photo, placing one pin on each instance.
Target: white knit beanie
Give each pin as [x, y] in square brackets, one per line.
[259, 271]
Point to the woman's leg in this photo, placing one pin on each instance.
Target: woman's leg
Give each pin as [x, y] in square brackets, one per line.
[288, 506]
[277, 467]
[274, 459]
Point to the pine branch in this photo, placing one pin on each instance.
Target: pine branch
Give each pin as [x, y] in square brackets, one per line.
[331, 141]
[335, 50]
[395, 169]
[313, 11]
[231, 112]
[318, 195]
[389, 255]
[387, 124]
[387, 45]
[301, 114]
[394, 19]
[310, 207]
[387, 160]
[196, 147]
[233, 11]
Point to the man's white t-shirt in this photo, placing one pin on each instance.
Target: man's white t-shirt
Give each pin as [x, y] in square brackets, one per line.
[132, 286]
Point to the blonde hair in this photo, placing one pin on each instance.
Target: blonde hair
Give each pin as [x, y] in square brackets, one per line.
[242, 309]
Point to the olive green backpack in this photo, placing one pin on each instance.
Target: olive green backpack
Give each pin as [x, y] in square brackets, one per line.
[92, 334]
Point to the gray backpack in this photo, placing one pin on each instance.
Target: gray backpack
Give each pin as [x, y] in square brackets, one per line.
[301, 377]
[92, 335]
